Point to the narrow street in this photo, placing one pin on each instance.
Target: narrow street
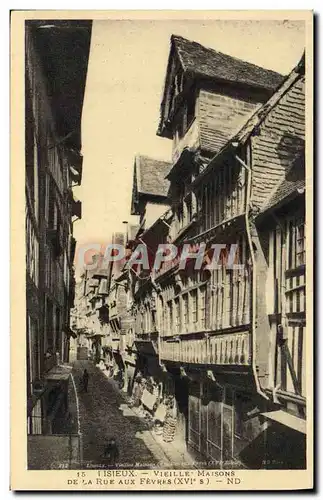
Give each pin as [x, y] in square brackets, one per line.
[103, 415]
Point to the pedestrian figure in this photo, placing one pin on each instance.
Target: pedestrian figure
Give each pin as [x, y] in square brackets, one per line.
[85, 379]
[111, 452]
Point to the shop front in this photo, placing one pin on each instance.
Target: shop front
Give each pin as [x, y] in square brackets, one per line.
[225, 426]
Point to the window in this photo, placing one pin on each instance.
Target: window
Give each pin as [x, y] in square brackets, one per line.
[49, 326]
[178, 82]
[185, 311]
[58, 339]
[194, 306]
[190, 109]
[193, 204]
[31, 148]
[188, 112]
[32, 253]
[203, 305]
[296, 230]
[230, 306]
[180, 128]
[36, 419]
[52, 206]
[161, 315]
[179, 215]
[170, 316]
[33, 352]
[187, 209]
[142, 324]
[145, 320]
[300, 243]
[177, 316]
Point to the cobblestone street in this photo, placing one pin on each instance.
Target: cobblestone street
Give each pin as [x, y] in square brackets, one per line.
[104, 414]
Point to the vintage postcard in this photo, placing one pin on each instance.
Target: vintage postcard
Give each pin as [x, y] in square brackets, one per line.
[162, 236]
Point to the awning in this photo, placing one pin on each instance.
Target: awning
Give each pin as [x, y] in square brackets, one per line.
[284, 418]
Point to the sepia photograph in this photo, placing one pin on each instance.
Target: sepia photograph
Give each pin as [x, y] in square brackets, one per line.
[166, 208]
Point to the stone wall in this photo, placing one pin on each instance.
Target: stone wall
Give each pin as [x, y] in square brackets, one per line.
[53, 452]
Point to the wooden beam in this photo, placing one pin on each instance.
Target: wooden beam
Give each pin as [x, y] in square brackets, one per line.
[286, 353]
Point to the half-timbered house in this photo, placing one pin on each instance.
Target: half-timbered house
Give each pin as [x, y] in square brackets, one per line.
[149, 189]
[53, 165]
[235, 141]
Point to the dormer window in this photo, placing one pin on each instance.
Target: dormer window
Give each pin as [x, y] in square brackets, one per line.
[185, 116]
[180, 130]
[185, 206]
[187, 209]
[178, 83]
[190, 109]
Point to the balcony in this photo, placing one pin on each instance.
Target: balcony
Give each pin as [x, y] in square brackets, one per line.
[147, 337]
[231, 349]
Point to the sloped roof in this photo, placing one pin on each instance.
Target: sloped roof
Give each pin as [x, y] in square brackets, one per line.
[278, 141]
[200, 60]
[63, 48]
[283, 127]
[151, 175]
[293, 183]
[284, 190]
[258, 117]
[278, 130]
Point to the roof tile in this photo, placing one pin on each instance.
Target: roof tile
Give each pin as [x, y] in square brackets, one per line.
[151, 175]
[208, 62]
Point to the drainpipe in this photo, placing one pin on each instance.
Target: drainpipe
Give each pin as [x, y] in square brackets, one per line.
[281, 328]
[282, 270]
[254, 274]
